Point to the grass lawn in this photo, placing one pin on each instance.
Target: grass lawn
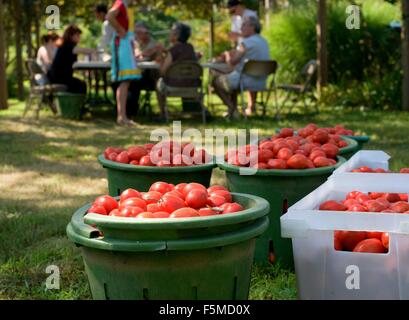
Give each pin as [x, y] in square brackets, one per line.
[48, 169]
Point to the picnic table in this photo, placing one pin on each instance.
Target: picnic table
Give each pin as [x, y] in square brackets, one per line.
[95, 69]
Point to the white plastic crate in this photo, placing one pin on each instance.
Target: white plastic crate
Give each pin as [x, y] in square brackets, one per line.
[372, 159]
[324, 273]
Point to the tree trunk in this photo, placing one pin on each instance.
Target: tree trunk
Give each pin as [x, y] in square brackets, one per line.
[267, 12]
[322, 55]
[405, 54]
[212, 34]
[29, 43]
[3, 81]
[19, 51]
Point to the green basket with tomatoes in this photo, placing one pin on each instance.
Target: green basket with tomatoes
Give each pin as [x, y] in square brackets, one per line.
[361, 140]
[282, 189]
[352, 148]
[124, 176]
[199, 258]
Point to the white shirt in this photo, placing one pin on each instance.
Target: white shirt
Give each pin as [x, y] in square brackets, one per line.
[237, 21]
[107, 34]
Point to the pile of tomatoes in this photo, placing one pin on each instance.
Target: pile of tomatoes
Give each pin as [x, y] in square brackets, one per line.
[365, 169]
[313, 148]
[165, 200]
[355, 201]
[162, 154]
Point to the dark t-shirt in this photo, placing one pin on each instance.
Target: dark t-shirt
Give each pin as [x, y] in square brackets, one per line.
[61, 69]
[183, 52]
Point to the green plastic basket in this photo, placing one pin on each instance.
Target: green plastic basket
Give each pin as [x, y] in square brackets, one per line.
[196, 258]
[361, 140]
[124, 176]
[282, 188]
[70, 105]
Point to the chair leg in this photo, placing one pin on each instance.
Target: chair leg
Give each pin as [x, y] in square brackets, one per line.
[40, 102]
[283, 105]
[203, 110]
[28, 104]
[243, 104]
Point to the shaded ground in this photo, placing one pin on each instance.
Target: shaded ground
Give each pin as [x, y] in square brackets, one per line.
[48, 169]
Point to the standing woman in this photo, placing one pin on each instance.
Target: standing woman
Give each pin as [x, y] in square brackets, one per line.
[124, 68]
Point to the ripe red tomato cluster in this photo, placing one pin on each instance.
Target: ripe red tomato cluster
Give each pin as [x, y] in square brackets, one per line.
[341, 130]
[162, 154]
[164, 200]
[365, 169]
[355, 201]
[288, 151]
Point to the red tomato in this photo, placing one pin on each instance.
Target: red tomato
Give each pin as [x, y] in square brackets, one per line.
[332, 205]
[134, 163]
[130, 193]
[350, 239]
[370, 246]
[316, 154]
[123, 157]
[374, 235]
[261, 166]
[400, 207]
[342, 144]
[154, 215]
[375, 195]
[164, 163]
[321, 162]
[233, 207]
[404, 170]
[192, 186]
[365, 169]
[146, 161]
[330, 150]
[170, 203]
[298, 161]
[277, 164]
[350, 202]
[176, 194]
[133, 202]
[107, 202]
[149, 146]
[201, 157]
[196, 198]
[384, 202]
[112, 156]
[136, 153]
[180, 187]
[320, 136]
[223, 193]
[357, 208]
[216, 200]
[392, 197]
[204, 212]
[130, 212]
[338, 244]
[286, 132]
[362, 198]
[161, 187]
[385, 240]
[280, 145]
[353, 194]
[264, 155]
[267, 145]
[152, 197]
[185, 213]
[379, 170]
[404, 197]
[154, 207]
[285, 154]
[98, 209]
[216, 188]
[108, 151]
[182, 160]
[374, 206]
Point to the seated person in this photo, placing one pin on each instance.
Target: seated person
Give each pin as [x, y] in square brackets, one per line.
[47, 51]
[61, 71]
[146, 48]
[253, 47]
[180, 50]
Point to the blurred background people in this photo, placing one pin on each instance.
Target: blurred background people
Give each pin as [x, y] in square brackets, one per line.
[146, 48]
[46, 54]
[61, 70]
[107, 32]
[238, 12]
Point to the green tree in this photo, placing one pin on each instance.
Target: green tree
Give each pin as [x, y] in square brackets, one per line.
[3, 82]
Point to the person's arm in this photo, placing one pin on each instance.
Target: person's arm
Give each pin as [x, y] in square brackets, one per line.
[111, 17]
[43, 55]
[106, 35]
[166, 64]
[234, 57]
